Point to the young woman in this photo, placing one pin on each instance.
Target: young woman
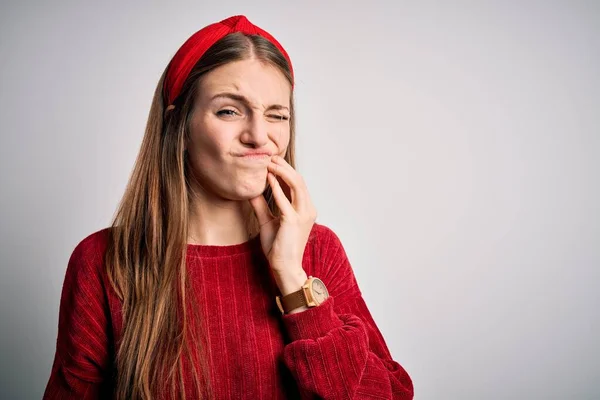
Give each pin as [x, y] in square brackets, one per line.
[214, 281]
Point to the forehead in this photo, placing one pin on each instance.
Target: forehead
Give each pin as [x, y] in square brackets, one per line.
[257, 80]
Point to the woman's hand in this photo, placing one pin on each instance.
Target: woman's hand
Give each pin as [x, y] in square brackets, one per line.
[283, 239]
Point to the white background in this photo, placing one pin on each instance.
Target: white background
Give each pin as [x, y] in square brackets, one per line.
[453, 146]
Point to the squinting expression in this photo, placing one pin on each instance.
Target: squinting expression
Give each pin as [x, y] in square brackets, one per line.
[242, 107]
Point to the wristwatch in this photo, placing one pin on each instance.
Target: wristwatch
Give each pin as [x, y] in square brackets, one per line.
[311, 294]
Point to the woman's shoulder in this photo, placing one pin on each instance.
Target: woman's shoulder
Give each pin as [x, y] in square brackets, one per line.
[93, 243]
[88, 255]
[324, 237]
[329, 262]
[325, 245]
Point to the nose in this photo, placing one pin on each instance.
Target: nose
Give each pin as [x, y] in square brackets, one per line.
[256, 132]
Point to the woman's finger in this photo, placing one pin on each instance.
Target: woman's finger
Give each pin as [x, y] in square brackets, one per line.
[294, 180]
[282, 202]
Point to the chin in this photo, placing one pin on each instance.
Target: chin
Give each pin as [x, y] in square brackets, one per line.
[247, 190]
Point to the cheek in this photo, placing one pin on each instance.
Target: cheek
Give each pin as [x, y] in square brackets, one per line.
[210, 139]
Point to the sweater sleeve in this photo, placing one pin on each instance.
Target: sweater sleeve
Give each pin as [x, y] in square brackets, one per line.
[336, 349]
[82, 353]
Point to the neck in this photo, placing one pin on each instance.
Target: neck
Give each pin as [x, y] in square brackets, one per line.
[217, 221]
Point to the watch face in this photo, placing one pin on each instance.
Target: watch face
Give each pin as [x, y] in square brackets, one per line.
[319, 290]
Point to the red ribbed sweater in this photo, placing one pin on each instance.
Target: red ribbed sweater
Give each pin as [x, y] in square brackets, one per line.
[333, 351]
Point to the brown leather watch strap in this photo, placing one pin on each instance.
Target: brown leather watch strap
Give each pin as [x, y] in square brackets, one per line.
[293, 301]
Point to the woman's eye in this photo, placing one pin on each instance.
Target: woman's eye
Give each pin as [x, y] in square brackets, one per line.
[279, 117]
[227, 113]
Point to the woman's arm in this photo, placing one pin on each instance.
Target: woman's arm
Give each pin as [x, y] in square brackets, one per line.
[82, 355]
[336, 349]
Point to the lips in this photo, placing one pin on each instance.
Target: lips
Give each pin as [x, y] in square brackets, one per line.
[256, 157]
[255, 154]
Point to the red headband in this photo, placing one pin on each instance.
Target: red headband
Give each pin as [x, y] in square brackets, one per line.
[192, 50]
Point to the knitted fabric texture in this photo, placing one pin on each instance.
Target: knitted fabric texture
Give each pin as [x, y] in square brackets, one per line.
[332, 351]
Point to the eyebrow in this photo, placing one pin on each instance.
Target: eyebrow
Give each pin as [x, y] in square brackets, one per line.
[243, 99]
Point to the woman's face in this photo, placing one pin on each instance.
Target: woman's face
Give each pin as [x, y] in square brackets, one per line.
[242, 107]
